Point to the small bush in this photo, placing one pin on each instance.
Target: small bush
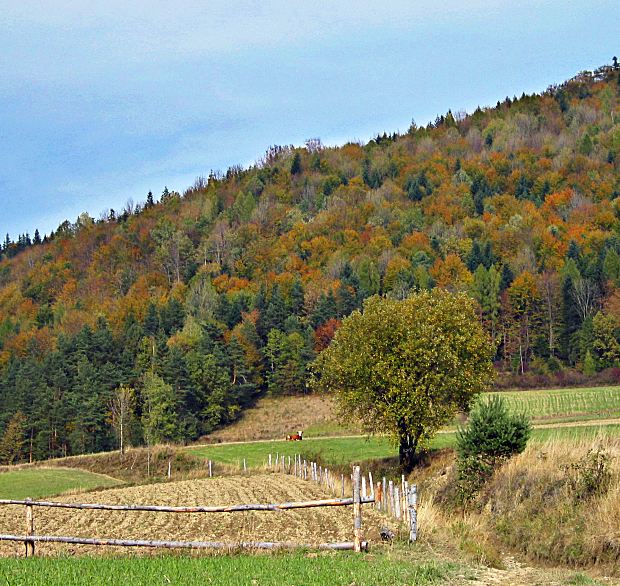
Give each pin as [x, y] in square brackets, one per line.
[492, 436]
[590, 475]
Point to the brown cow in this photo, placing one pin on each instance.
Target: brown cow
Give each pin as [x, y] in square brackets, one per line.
[295, 437]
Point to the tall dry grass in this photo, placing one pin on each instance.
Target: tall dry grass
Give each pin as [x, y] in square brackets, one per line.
[558, 502]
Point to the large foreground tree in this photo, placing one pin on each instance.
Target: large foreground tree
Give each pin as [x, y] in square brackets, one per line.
[407, 367]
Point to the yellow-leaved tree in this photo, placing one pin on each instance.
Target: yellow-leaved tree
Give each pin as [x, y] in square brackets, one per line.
[406, 368]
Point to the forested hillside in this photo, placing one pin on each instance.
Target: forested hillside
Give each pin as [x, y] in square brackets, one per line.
[204, 300]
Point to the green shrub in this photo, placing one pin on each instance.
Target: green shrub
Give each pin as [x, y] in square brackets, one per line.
[492, 436]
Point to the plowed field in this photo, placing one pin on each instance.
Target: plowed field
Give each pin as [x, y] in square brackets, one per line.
[310, 526]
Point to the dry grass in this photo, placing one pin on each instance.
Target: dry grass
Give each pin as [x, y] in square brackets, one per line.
[305, 526]
[550, 503]
[278, 417]
[136, 466]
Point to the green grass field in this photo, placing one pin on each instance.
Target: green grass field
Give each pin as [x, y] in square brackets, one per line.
[344, 450]
[264, 570]
[43, 482]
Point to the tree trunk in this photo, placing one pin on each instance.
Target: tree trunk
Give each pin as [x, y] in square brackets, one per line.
[407, 447]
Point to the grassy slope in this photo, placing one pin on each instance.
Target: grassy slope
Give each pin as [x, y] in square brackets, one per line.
[43, 482]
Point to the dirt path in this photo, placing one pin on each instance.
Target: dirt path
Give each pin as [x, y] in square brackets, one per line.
[518, 574]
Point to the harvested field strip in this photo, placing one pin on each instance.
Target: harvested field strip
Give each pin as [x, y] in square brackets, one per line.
[310, 526]
[276, 570]
[42, 482]
[346, 450]
[540, 405]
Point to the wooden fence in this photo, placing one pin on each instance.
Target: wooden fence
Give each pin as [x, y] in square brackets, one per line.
[398, 500]
[357, 500]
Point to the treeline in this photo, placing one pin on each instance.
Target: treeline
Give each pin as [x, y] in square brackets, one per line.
[189, 368]
[212, 297]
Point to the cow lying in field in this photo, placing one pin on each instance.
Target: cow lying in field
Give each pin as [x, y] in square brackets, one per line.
[295, 437]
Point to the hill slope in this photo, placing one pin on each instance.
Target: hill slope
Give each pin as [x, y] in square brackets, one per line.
[204, 301]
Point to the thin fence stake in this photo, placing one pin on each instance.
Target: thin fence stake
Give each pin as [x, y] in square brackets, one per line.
[363, 487]
[245, 468]
[371, 485]
[342, 480]
[397, 502]
[412, 501]
[210, 470]
[169, 469]
[269, 460]
[357, 511]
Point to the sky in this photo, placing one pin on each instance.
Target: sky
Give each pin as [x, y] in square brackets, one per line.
[101, 102]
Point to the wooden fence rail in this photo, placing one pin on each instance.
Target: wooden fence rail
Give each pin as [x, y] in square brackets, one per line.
[342, 502]
[357, 544]
[31, 539]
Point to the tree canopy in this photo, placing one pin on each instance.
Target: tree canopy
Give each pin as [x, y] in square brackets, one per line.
[406, 367]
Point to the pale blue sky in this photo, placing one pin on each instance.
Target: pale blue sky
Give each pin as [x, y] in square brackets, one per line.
[100, 101]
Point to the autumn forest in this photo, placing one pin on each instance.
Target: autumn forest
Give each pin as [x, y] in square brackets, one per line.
[198, 303]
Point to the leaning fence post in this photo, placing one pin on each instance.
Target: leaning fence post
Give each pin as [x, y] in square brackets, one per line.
[357, 510]
[412, 500]
[29, 529]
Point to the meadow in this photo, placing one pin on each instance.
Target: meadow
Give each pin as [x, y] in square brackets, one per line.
[38, 482]
[338, 451]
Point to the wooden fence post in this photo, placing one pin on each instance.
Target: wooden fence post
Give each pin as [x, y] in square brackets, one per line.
[412, 500]
[29, 529]
[357, 510]
[384, 494]
[169, 469]
[270, 461]
[210, 470]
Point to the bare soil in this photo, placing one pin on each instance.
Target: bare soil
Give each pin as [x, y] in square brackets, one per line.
[310, 526]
